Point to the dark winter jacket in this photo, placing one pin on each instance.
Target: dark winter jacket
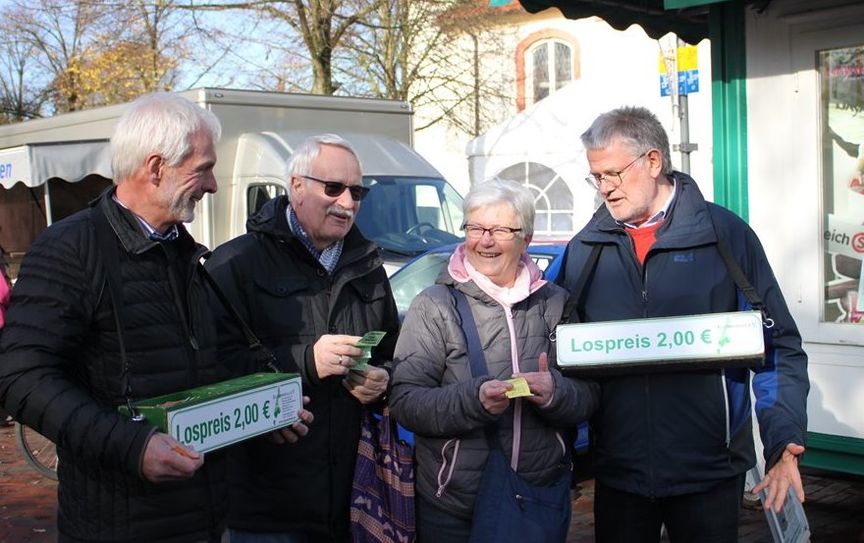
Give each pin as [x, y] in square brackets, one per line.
[290, 301]
[435, 395]
[664, 434]
[61, 373]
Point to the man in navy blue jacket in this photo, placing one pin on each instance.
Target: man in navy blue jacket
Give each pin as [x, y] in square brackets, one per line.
[672, 448]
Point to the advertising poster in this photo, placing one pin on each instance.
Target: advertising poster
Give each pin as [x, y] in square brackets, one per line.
[842, 77]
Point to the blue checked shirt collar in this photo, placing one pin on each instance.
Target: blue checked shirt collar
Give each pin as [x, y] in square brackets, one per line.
[170, 235]
[329, 257]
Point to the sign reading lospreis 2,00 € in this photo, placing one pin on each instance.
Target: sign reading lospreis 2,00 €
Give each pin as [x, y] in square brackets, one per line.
[716, 340]
[213, 416]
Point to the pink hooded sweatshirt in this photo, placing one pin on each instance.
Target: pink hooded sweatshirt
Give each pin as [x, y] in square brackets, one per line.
[5, 293]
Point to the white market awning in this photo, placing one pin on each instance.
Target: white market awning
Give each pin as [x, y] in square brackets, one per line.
[34, 164]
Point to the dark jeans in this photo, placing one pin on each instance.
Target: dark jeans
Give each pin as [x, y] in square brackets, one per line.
[436, 525]
[706, 517]
[236, 536]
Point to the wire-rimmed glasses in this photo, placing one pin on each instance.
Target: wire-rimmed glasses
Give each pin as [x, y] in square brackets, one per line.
[613, 178]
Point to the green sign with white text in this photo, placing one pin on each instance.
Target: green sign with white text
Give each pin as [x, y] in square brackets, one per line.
[713, 340]
[213, 416]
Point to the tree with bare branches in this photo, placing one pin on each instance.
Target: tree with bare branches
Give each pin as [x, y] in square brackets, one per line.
[59, 33]
[427, 52]
[321, 25]
[19, 100]
[82, 54]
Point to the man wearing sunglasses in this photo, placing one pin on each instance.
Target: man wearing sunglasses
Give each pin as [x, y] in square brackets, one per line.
[310, 285]
[672, 448]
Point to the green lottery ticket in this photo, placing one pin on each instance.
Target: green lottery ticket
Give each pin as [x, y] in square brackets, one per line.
[369, 340]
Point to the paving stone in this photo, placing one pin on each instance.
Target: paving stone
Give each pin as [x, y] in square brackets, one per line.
[834, 506]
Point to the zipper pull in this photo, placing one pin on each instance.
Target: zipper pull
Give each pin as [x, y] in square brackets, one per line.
[520, 501]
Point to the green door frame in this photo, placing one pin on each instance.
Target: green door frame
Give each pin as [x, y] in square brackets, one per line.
[729, 105]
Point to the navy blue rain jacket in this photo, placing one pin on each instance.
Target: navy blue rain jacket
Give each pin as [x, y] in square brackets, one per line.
[666, 434]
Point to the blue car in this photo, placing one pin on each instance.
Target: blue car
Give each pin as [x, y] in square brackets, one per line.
[422, 271]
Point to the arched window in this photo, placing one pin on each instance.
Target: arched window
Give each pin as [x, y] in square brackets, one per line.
[553, 199]
[551, 68]
[545, 62]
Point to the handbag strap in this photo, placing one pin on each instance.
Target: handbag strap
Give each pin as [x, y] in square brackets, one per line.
[741, 281]
[253, 341]
[476, 359]
[106, 241]
[575, 297]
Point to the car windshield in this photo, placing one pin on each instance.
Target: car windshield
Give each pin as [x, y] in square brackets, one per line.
[415, 277]
[422, 272]
[410, 215]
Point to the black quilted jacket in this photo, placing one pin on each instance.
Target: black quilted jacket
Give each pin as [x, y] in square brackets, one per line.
[290, 301]
[60, 372]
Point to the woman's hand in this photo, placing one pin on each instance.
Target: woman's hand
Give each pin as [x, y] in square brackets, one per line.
[540, 382]
[493, 396]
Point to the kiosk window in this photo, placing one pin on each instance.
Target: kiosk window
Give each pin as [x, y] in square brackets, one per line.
[842, 107]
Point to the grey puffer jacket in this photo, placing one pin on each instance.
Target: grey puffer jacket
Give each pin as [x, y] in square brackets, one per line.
[435, 396]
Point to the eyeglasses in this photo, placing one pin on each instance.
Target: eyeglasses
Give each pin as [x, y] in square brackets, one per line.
[596, 180]
[498, 233]
[334, 189]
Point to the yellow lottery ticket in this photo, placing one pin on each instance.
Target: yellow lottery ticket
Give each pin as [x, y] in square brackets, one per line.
[520, 388]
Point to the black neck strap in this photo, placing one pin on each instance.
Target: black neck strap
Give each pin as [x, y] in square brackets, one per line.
[253, 341]
[741, 281]
[571, 307]
[107, 242]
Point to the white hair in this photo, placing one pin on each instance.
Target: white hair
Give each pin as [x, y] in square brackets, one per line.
[161, 123]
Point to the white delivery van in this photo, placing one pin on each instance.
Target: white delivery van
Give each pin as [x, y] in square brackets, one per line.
[50, 168]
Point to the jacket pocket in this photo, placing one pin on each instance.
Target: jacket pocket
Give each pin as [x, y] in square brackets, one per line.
[368, 290]
[282, 287]
[446, 468]
[283, 310]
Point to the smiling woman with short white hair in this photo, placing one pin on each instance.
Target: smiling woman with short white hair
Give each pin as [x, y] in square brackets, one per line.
[461, 416]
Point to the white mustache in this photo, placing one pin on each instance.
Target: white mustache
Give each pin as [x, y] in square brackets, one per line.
[340, 212]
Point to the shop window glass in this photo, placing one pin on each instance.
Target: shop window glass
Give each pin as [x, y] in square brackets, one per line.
[842, 107]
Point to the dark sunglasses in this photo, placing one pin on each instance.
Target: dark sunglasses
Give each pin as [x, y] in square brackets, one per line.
[334, 189]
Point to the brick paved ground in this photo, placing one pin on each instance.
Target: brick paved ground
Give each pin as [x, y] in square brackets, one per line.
[835, 506]
[28, 501]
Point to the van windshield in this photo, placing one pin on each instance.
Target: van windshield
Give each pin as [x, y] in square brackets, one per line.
[410, 215]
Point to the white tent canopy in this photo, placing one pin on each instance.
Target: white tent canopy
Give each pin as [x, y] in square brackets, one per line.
[541, 145]
[34, 164]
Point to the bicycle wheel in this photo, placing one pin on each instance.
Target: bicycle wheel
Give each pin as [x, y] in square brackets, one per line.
[38, 450]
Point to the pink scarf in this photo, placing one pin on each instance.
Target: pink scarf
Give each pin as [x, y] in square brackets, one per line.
[529, 278]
